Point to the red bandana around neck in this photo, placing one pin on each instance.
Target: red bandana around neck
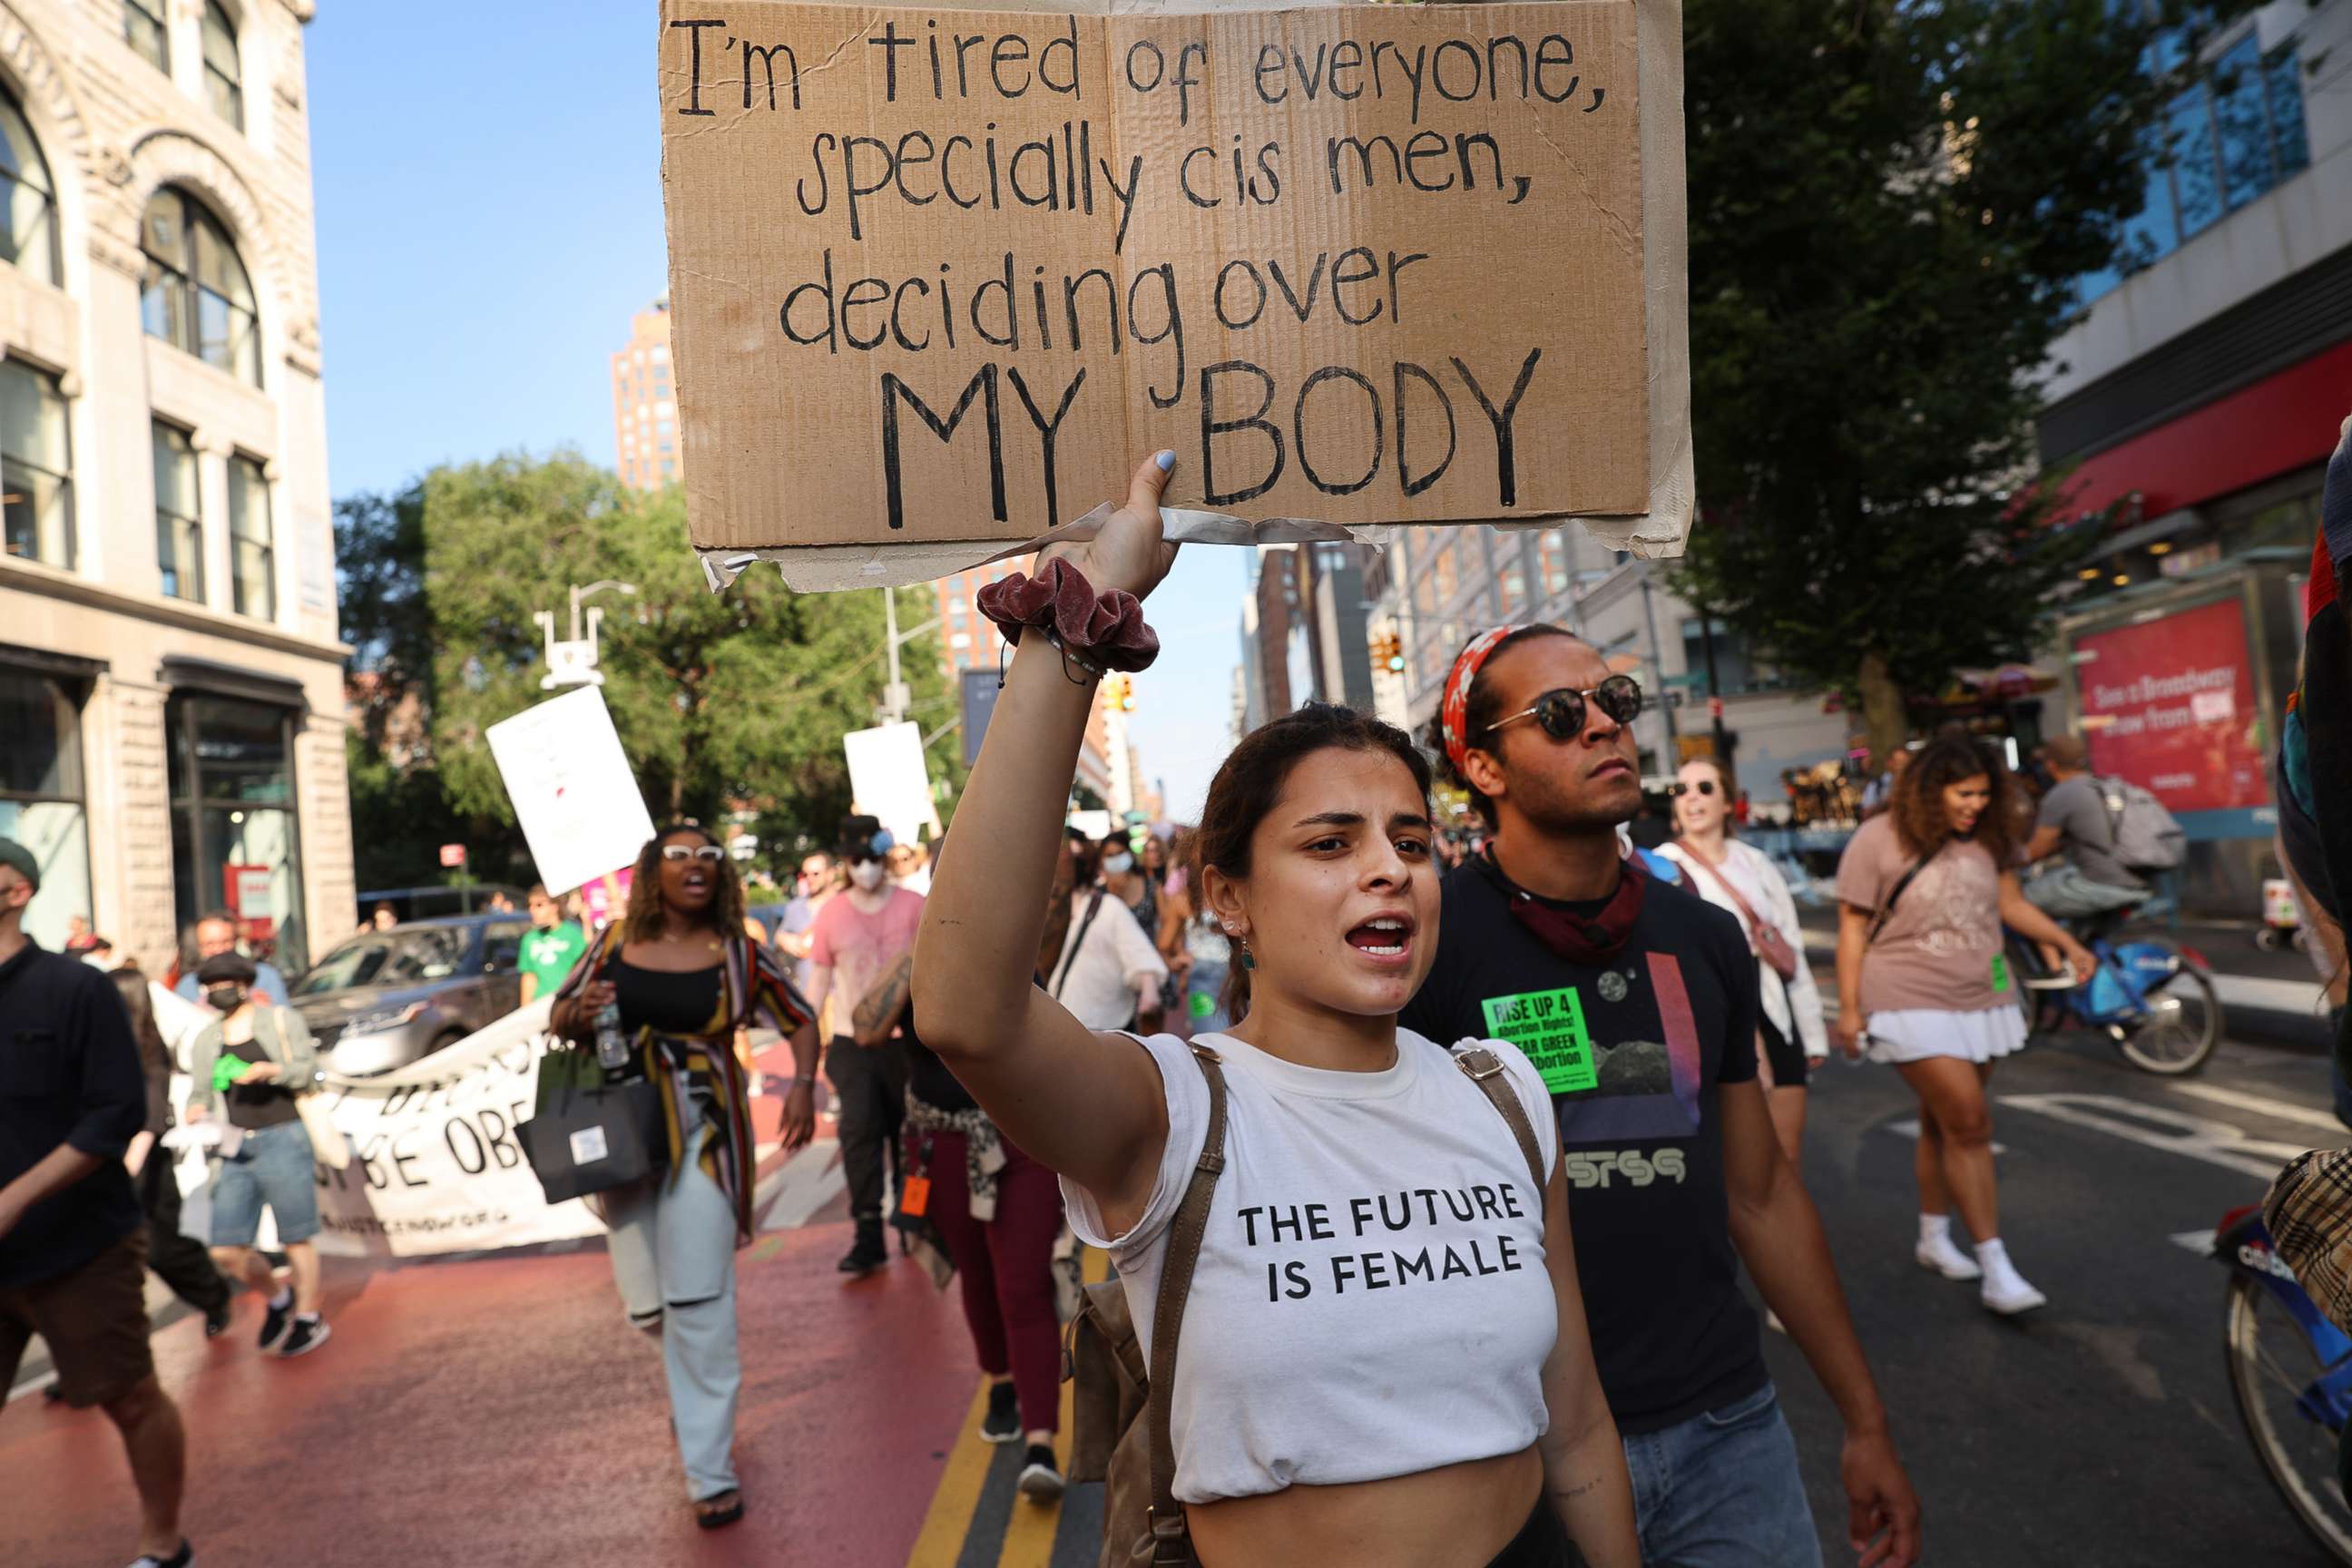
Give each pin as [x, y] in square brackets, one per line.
[1579, 939]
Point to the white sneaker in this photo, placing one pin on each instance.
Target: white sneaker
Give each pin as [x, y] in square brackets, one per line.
[2004, 1289]
[1943, 1255]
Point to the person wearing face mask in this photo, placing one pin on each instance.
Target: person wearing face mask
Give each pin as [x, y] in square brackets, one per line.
[1129, 885]
[246, 1067]
[1109, 973]
[856, 941]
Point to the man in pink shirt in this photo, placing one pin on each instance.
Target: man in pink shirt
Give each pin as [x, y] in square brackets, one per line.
[858, 936]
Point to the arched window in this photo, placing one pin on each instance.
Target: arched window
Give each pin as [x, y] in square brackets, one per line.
[197, 297]
[28, 228]
[224, 78]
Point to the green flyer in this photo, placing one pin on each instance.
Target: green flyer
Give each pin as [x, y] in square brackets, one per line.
[1549, 1025]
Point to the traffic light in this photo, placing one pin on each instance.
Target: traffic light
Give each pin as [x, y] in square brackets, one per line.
[1388, 652]
[1118, 692]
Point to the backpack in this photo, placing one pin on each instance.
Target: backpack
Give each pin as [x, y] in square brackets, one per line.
[1119, 1433]
[2145, 837]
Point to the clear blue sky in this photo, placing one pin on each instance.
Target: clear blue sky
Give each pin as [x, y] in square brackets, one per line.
[490, 215]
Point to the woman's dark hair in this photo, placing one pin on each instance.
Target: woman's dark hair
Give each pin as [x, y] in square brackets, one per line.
[644, 920]
[1918, 807]
[1484, 708]
[1251, 781]
[142, 1008]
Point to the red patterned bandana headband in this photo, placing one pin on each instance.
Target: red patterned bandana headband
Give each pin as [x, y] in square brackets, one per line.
[1454, 713]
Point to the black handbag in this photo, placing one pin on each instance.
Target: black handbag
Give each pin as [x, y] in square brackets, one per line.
[590, 1135]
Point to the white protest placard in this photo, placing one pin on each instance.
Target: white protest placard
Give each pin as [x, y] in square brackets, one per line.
[889, 780]
[435, 1164]
[573, 791]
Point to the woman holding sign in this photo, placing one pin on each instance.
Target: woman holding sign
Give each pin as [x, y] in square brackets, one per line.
[1366, 1237]
[685, 977]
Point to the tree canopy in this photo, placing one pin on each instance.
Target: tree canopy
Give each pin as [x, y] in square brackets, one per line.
[1890, 204]
[723, 701]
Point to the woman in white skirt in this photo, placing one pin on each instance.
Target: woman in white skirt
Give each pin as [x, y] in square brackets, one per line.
[1742, 879]
[1924, 888]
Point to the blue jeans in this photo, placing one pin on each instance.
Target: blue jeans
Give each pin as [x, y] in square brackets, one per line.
[1721, 1490]
[272, 1166]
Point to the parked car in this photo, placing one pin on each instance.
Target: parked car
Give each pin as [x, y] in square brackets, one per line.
[429, 903]
[384, 999]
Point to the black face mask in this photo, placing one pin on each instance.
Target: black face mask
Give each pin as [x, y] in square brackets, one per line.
[224, 998]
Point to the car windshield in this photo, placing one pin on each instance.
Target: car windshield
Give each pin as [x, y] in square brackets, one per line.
[388, 958]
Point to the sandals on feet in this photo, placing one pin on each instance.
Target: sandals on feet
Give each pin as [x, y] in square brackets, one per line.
[718, 1512]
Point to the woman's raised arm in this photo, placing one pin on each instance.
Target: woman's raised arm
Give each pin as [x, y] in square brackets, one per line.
[1085, 1106]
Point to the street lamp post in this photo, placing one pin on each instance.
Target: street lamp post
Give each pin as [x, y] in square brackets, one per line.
[573, 661]
[896, 695]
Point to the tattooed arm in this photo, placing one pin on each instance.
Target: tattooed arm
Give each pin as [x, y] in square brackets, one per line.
[879, 1009]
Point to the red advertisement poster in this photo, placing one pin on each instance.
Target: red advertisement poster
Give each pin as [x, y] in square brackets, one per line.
[2170, 705]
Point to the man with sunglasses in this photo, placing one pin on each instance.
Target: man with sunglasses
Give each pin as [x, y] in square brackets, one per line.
[1637, 1001]
[857, 939]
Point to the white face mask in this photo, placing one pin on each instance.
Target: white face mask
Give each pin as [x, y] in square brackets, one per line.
[866, 874]
[1116, 865]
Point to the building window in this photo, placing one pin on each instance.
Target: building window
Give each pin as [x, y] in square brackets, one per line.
[233, 841]
[1735, 665]
[36, 466]
[41, 798]
[149, 36]
[252, 540]
[224, 79]
[2229, 138]
[1513, 584]
[31, 234]
[178, 515]
[197, 297]
[1551, 553]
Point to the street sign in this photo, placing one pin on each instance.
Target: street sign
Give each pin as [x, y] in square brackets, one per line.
[453, 855]
[980, 690]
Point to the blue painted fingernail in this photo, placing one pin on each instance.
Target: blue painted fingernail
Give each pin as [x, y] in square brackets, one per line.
[1166, 460]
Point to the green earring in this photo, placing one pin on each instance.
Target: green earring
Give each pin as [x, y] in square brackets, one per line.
[1249, 959]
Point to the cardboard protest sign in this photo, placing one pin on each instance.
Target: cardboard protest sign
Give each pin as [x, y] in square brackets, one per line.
[572, 789]
[938, 279]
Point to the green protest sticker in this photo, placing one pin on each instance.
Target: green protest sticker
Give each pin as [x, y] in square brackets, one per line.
[1549, 1025]
[2000, 973]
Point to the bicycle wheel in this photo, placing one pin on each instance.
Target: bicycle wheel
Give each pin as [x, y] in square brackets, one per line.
[2270, 1360]
[2183, 1026]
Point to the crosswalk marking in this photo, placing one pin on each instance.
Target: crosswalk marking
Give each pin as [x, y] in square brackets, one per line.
[2154, 1127]
[806, 1183]
[1909, 1127]
[2262, 1105]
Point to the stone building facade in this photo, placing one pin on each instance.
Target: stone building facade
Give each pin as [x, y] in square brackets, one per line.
[171, 707]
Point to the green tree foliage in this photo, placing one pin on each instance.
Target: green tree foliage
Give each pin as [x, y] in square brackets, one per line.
[721, 700]
[1889, 205]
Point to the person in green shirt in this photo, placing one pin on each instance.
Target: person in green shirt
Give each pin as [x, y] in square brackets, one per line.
[551, 949]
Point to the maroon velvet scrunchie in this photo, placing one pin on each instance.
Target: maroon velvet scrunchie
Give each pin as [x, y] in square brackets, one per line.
[1106, 628]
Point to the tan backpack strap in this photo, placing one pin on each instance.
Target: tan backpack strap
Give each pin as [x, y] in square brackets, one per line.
[1171, 1542]
[1484, 1068]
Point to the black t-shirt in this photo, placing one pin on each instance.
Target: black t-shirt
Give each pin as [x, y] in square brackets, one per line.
[253, 1106]
[1633, 1054]
[69, 1074]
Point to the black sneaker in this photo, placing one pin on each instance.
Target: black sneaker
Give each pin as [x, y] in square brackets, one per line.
[185, 1557]
[216, 1318]
[868, 1254]
[1041, 1478]
[273, 1326]
[1002, 1422]
[308, 1335]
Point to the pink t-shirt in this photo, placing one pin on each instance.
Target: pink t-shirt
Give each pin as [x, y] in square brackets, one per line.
[859, 947]
[1937, 950]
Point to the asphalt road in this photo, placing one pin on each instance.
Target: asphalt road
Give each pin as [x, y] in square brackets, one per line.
[2099, 1430]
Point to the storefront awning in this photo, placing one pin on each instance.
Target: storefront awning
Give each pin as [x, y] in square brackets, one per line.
[228, 680]
[70, 665]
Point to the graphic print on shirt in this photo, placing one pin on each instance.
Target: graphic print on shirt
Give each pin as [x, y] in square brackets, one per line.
[1638, 1075]
[1954, 891]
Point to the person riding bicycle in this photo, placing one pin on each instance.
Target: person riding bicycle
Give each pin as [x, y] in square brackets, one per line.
[2073, 821]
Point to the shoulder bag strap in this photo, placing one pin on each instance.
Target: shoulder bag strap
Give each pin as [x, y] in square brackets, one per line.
[1724, 882]
[1170, 1539]
[1070, 955]
[1484, 1068]
[1887, 910]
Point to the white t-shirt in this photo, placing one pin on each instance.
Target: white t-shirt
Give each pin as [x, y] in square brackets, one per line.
[1371, 1299]
[1110, 959]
